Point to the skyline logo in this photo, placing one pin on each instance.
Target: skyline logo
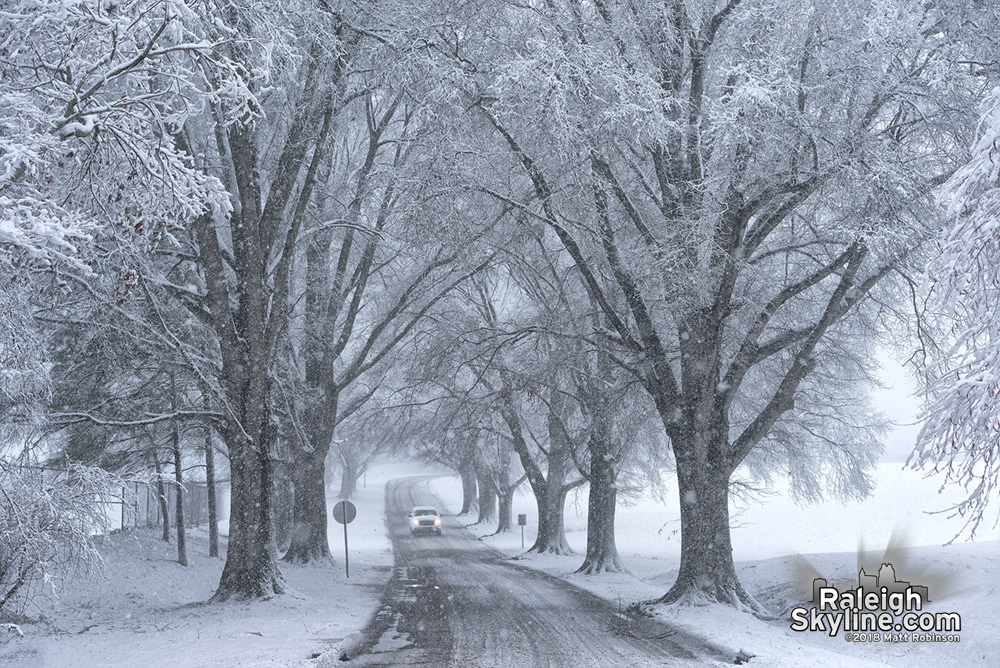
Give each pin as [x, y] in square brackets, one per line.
[882, 608]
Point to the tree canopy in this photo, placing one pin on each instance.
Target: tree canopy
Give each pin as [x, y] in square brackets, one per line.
[576, 241]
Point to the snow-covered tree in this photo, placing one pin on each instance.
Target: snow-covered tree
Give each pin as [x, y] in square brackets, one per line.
[369, 271]
[48, 520]
[91, 94]
[92, 97]
[961, 432]
[735, 183]
[150, 124]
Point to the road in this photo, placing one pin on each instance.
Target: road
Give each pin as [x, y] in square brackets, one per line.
[454, 601]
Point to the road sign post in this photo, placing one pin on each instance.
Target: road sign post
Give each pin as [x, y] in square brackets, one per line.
[345, 512]
[521, 521]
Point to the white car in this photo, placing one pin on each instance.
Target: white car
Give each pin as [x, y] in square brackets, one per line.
[424, 519]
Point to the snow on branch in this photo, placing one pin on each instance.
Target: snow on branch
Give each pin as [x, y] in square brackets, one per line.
[47, 520]
[151, 418]
[961, 435]
[92, 96]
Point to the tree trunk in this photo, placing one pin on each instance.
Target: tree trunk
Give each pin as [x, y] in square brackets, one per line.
[213, 515]
[178, 481]
[707, 571]
[179, 508]
[213, 511]
[161, 494]
[487, 499]
[469, 487]
[251, 568]
[551, 538]
[505, 499]
[505, 496]
[309, 511]
[246, 301]
[550, 492]
[602, 551]
[348, 481]
[284, 502]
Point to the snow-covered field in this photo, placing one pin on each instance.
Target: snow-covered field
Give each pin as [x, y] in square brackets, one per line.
[780, 547]
[149, 611]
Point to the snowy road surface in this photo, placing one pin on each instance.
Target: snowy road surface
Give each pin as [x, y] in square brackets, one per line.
[454, 601]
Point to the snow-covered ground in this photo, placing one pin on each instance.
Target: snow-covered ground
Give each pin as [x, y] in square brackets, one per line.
[780, 547]
[149, 611]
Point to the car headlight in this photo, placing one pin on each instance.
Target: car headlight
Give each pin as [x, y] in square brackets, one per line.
[416, 523]
[437, 522]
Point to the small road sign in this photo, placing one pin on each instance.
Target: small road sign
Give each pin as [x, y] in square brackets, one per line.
[345, 512]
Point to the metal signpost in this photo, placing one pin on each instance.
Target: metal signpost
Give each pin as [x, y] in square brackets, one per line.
[521, 521]
[345, 512]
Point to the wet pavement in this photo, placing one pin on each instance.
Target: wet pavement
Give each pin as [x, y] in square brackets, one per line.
[454, 601]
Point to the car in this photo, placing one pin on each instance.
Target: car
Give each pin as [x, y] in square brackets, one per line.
[424, 520]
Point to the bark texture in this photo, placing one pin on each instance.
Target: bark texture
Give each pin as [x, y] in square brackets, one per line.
[309, 528]
[251, 569]
[179, 507]
[706, 569]
[602, 548]
[213, 512]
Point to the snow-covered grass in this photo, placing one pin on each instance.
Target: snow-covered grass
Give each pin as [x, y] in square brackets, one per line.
[780, 547]
[151, 612]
